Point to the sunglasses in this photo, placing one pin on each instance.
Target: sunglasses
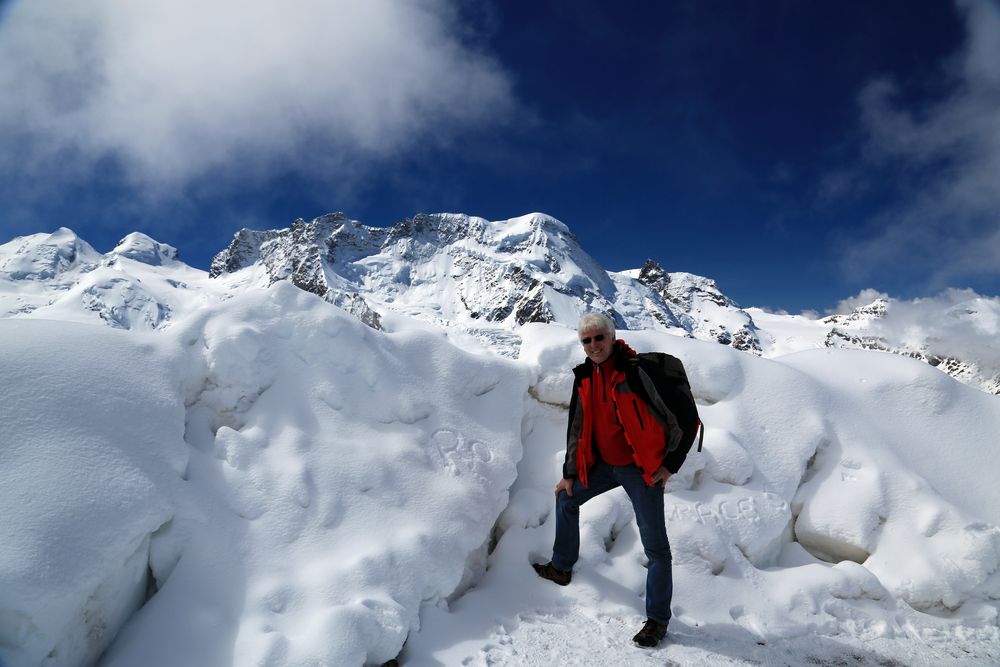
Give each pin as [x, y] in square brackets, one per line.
[598, 338]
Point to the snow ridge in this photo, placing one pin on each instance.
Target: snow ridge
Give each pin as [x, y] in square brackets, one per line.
[250, 475]
[465, 271]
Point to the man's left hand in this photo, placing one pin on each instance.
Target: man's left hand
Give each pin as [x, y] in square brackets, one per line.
[661, 475]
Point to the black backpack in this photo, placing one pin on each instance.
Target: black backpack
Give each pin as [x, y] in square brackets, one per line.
[671, 382]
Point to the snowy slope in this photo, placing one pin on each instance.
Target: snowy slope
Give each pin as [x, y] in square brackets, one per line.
[140, 284]
[812, 464]
[268, 481]
[297, 483]
[479, 275]
[36, 269]
[706, 312]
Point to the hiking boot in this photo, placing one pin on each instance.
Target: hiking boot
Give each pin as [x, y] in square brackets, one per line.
[651, 634]
[550, 572]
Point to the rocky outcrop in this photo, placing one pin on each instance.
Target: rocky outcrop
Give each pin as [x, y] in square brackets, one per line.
[299, 254]
[707, 312]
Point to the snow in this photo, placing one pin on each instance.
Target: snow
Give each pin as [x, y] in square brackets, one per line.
[802, 471]
[257, 478]
[91, 455]
[785, 334]
[300, 484]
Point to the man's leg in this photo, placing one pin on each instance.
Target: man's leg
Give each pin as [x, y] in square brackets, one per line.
[647, 501]
[566, 549]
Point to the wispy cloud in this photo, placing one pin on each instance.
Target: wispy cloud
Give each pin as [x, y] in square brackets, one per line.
[180, 90]
[957, 323]
[945, 228]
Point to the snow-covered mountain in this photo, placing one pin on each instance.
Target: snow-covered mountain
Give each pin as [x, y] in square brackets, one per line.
[140, 284]
[459, 270]
[230, 470]
[480, 280]
[955, 333]
[705, 311]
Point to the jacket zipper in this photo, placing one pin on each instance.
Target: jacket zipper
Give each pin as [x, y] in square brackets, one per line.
[638, 414]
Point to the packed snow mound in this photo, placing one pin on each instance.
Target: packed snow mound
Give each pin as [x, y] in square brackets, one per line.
[311, 483]
[844, 507]
[92, 453]
[868, 457]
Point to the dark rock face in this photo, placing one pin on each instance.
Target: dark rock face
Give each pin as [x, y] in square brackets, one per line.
[243, 251]
[514, 272]
[310, 253]
[297, 254]
[696, 295]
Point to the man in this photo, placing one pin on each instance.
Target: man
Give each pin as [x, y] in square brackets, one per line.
[620, 434]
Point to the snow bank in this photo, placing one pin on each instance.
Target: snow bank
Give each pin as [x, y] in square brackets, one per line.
[309, 483]
[91, 453]
[844, 494]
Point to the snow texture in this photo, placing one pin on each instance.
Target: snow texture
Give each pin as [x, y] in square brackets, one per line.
[258, 478]
[297, 484]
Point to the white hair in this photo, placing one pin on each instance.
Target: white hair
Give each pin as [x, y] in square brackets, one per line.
[599, 321]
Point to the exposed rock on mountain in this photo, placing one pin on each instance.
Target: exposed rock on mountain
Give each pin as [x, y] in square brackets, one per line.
[298, 254]
[479, 279]
[459, 270]
[706, 312]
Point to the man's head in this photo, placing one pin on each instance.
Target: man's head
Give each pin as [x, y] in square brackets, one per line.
[597, 335]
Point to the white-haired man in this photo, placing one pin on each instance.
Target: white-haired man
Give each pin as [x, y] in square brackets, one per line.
[620, 434]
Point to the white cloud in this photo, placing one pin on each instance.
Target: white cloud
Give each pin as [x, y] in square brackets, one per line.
[947, 228]
[180, 89]
[958, 323]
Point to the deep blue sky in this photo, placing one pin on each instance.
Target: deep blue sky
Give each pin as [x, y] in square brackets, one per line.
[725, 138]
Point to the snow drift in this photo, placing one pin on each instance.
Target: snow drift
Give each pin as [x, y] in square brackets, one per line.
[252, 476]
[297, 484]
[844, 507]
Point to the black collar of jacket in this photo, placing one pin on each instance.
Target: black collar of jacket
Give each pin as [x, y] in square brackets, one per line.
[622, 361]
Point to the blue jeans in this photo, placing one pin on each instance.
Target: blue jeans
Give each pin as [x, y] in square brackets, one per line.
[647, 501]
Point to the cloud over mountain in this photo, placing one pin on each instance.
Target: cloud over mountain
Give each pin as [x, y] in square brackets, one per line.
[174, 91]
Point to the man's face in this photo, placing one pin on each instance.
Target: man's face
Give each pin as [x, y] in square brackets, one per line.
[597, 344]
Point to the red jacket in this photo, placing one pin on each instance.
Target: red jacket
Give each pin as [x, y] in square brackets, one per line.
[651, 429]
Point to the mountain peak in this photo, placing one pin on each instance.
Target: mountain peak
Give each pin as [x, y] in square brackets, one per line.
[141, 248]
[467, 271]
[45, 256]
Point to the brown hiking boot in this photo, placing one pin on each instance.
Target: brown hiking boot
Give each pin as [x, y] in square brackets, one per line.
[550, 572]
[651, 634]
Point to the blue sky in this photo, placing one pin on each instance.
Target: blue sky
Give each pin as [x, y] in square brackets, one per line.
[796, 152]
